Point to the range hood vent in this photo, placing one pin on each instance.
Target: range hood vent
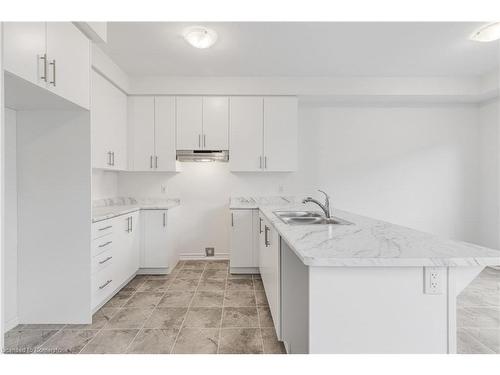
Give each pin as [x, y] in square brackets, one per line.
[202, 155]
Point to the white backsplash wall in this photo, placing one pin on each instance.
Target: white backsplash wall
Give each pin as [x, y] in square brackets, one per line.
[104, 184]
[414, 166]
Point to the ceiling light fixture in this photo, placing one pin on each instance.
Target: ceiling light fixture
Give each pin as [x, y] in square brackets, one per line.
[200, 37]
[487, 33]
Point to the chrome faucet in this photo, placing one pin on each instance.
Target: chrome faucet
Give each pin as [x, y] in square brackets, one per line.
[325, 207]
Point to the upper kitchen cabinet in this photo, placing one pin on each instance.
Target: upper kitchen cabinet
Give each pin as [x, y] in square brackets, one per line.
[151, 129]
[189, 123]
[280, 134]
[216, 123]
[246, 132]
[202, 123]
[263, 134]
[109, 124]
[25, 51]
[165, 134]
[54, 55]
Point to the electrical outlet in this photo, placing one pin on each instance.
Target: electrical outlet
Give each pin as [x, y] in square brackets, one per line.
[209, 251]
[433, 280]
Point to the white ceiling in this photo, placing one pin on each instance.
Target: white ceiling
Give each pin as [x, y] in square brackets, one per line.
[303, 49]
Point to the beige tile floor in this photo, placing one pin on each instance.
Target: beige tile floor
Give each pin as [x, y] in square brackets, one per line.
[199, 308]
[478, 315]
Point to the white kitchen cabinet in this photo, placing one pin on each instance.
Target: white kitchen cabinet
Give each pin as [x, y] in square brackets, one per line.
[280, 134]
[108, 124]
[202, 123]
[215, 123]
[246, 132]
[269, 266]
[263, 134]
[243, 228]
[54, 55]
[189, 122]
[164, 133]
[68, 53]
[24, 50]
[151, 133]
[127, 247]
[154, 248]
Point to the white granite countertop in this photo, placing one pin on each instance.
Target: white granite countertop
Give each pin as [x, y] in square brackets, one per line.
[249, 203]
[108, 208]
[370, 242]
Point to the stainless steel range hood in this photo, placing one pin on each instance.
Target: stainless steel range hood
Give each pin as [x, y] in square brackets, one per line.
[202, 155]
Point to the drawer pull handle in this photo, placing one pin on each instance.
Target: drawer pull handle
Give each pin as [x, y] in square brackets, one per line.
[105, 284]
[109, 226]
[105, 260]
[106, 244]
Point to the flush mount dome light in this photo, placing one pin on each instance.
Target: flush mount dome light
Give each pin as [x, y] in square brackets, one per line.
[200, 37]
[487, 33]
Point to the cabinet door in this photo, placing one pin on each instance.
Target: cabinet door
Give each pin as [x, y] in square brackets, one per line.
[241, 239]
[141, 129]
[256, 231]
[108, 123]
[155, 240]
[165, 133]
[245, 134]
[280, 133]
[68, 54]
[215, 123]
[189, 122]
[134, 241]
[121, 249]
[24, 46]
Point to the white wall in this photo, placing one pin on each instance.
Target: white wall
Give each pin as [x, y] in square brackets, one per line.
[489, 122]
[414, 166]
[10, 277]
[104, 184]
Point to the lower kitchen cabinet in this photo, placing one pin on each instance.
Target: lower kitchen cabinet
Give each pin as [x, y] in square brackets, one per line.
[244, 241]
[127, 248]
[154, 250]
[269, 266]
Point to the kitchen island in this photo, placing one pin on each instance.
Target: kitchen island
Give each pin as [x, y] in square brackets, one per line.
[368, 287]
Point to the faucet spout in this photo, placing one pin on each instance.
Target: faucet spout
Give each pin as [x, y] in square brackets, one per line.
[325, 207]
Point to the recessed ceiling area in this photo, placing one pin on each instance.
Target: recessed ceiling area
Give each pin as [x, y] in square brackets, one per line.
[303, 49]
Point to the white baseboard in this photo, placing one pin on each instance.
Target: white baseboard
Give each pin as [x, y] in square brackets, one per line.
[201, 256]
[11, 323]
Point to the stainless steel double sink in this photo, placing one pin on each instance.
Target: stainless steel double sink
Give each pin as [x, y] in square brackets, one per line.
[308, 217]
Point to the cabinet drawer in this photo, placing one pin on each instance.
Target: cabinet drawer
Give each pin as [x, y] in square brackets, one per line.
[103, 285]
[102, 260]
[102, 244]
[102, 228]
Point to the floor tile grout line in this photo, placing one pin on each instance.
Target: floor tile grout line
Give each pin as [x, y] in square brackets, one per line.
[188, 308]
[222, 312]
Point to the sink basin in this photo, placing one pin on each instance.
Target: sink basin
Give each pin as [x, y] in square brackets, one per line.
[308, 217]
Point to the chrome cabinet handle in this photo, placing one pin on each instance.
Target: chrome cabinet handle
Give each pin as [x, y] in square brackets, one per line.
[53, 63]
[106, 244]
[164, 219]
[266, 240]
[204, 140]
[105, 260]
[156, 161]
[260, 162]
[131, 224]
[112, 158]
[265, 162]
[105, 284]
[199, 140]
[109, 157]
[151, 162]
[109, 226]
[260, 225]
[232, 219]
[44, 58]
